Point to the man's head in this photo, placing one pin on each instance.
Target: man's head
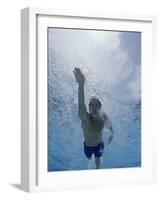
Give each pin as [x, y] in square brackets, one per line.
[94, 106]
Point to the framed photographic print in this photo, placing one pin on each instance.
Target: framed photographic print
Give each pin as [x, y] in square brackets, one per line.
[86, 99]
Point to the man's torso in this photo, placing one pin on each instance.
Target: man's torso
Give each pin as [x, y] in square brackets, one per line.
[92, 130]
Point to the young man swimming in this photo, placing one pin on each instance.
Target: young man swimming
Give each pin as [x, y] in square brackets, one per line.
[92, 122]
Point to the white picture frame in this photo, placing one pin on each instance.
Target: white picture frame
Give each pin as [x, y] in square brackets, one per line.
[34, 176]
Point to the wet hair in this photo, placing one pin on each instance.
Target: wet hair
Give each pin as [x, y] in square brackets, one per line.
[95, 99]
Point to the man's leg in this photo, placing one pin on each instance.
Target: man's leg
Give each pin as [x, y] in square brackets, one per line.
[88, 153]
[91, 164]
[97, 162]
[98, 153]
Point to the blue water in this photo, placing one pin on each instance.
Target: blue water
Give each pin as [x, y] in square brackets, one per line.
[120, 99]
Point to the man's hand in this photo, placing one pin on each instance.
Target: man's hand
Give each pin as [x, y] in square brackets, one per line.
[79, 76]
[110, 139]
[111, 136]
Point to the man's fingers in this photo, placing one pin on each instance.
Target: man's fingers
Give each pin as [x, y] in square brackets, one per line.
[110, 139]
[77, 71]
[74, 72]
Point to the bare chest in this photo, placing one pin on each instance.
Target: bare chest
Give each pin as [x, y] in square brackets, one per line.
[93, 127]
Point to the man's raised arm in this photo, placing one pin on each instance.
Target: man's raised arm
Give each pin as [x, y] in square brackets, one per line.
[81, 100]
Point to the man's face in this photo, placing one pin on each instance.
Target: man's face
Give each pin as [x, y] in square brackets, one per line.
[94, 107]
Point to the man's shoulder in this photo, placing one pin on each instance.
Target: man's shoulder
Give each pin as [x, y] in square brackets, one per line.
[84, 116]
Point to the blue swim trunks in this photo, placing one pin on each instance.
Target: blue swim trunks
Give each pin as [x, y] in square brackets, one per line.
[97, 150]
